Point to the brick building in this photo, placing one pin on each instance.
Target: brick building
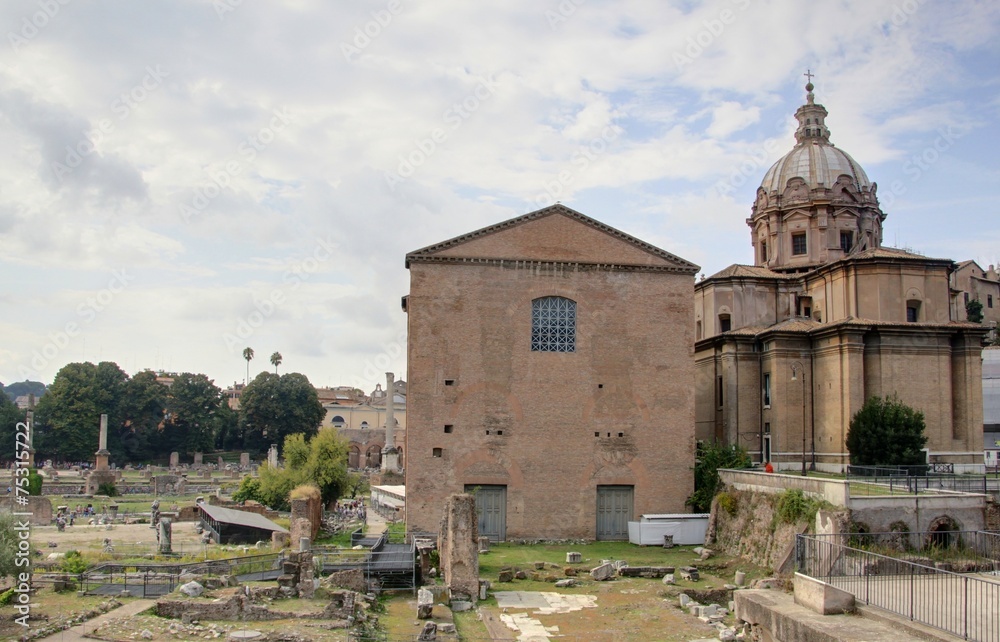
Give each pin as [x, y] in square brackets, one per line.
[788, 349]
[549, 372]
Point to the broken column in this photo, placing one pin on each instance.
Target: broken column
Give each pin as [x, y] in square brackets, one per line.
[164, 535]
[198, 459]
[458, 548]
[175, 459]
[390, 454]
[244, 461]
[272, 456]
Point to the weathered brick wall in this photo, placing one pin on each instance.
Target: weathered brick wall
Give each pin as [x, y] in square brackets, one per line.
[549, 426]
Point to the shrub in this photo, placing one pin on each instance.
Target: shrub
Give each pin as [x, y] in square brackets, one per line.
[709, 459]
[74, 563]
[727, 502]
[7, 597]
[793, 506]
[108, 488]
[34, 482]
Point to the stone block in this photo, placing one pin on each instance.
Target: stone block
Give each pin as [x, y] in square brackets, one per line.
[566, 583]
[669, 579]
[505, 576]
[192, 589]
[685, 599]
[425, 604]
[821, 597]
[574, 558]
[603, 572]
[458, 606]
[428, 633]
[689, 573]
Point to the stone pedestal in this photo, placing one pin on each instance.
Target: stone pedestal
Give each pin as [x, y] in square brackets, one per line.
[244, 460]
[198, 459]
[175, 459]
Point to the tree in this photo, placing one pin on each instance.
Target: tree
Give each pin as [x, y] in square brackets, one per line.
[273, 407]
[68, 416]
[320, 461]
[143, 412]
[10, 416]
[193, 403]
[886, 432]
[276, 361]
[974, 311]
[248, 355]
[709, 458]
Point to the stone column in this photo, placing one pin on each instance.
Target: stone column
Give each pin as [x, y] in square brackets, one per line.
[390, 454]
[272, 456]
[102, 453]
[164, 536]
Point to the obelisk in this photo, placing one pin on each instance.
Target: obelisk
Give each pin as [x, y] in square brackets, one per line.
[102, 453]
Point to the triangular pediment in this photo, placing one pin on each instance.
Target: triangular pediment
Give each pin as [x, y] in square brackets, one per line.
[796, 213]
[555, 234]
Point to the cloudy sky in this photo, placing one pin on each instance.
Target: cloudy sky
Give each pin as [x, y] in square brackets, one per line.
[182, 179]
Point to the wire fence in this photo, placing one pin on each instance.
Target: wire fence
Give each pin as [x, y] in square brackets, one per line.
[947, 583]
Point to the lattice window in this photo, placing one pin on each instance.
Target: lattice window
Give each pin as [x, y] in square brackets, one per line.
[553, 325]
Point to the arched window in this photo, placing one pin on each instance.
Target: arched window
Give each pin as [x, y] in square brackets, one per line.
[553, 324]
[338, 421]
[364, 424]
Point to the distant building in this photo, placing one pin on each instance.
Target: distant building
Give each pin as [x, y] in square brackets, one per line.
[973, 283]
[230, 526]
[360, 419]
[991, 406]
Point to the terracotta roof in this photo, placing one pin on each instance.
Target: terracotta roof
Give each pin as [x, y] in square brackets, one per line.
[889, 253]
[751, 271]
[679, 263]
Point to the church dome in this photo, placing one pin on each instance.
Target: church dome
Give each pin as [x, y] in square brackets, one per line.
[818, 164]
[814, 159]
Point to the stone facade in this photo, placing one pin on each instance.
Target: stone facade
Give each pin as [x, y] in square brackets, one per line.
[548, 429]
[788, 350]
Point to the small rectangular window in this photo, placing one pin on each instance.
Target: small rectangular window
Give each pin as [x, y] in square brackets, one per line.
[500, 432]
[725, 323]
[763, 252]
[767, 389]
[718, 391]
[449, 382]
[846, 241]
[989, 300]
[966, 298]
[911, 314]
[448, 428]
[597, 434]
[437, 452]
[799, 244]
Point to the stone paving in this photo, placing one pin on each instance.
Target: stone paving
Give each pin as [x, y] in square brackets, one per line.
[529, 629]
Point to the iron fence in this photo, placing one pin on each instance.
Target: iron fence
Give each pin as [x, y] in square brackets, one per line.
[156, 579]
[923, 478]
[965, 603]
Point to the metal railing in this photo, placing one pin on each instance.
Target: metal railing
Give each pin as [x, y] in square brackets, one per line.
[155, 579]
[966, 604]
[923, 478]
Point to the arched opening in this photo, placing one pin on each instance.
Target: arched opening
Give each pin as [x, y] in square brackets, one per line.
[374, 458]
[942, 532]
[338, 421]
[353, 457]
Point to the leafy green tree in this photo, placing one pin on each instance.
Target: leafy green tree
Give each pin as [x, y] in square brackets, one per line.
[886, 432]
[227, 433]
[273, 407]
[10, 416]
[143, 412]
[321, 461]
[709, 458]
[974, 311]
[68, 416]
[193, 403]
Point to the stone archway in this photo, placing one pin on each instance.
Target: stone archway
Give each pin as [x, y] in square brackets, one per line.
[354, 457]
[374, 457]
[942, 532]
